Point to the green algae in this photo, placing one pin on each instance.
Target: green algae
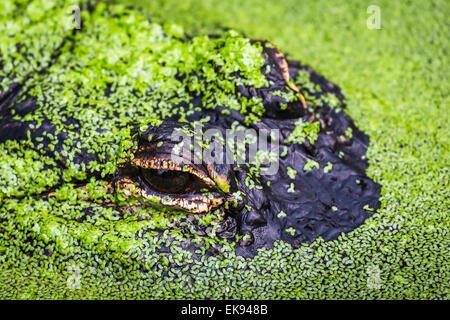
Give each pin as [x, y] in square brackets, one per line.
[405, 245]
[328, 167]
[304, 130]
[22, 23]
[310, 164]
[24, 171]
[291, 173]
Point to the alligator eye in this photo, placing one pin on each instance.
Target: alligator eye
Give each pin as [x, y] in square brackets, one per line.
[176, 189]
[157, 176]
[167, 181]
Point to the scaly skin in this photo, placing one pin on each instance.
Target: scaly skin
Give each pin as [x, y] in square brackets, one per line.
[103, 110]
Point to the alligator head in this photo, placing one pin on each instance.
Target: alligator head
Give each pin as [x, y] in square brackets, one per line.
[317, 185]
[305, 179]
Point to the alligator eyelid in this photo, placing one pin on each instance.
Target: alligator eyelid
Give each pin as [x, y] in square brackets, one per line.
[158, 164]
[191, 203]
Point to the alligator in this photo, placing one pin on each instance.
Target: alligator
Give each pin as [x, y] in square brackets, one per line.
[93, 128]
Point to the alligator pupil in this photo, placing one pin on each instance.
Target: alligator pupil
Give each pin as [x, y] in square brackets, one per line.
[167, 181]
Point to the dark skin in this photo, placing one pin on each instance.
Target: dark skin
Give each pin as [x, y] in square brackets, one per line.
[310, 204]
[321, 205]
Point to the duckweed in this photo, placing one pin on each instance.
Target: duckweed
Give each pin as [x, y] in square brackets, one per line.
[401, 252]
